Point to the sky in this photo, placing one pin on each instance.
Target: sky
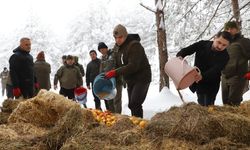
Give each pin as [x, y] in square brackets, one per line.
[54, 13]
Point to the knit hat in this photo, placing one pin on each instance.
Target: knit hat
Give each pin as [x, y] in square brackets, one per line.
[40, 56]
[120, 30]
[231, 24]
[102, 45]
[69, 57]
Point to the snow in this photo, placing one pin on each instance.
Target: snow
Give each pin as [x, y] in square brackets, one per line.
[155, 101]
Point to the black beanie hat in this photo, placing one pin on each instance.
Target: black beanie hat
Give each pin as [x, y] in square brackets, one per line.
[102, 45]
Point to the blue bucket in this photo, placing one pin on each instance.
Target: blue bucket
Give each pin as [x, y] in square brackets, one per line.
[104, 88]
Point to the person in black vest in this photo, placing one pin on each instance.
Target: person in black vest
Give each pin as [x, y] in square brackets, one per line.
[22, 70]
[210, 57]
[133, 65]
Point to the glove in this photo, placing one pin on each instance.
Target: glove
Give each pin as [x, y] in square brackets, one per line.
[110, 74]
[16, 92]
[247, 76]
[37, 86]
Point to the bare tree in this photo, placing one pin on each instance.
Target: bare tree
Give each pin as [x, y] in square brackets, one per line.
[161, 40]
[236, 11]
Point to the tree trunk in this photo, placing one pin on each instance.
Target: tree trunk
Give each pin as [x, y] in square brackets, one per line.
[236, 11]
[162, 47]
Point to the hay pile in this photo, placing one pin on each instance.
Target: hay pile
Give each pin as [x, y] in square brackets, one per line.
[9, 105]
[20, 136]
[200, 125]
[4, 117]
[44, 110]
[75, 121]
[49, 121]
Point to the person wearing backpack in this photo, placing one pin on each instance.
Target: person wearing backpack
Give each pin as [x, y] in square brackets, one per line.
[133, 65]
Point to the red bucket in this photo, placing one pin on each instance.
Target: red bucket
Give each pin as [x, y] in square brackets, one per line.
[81, 95]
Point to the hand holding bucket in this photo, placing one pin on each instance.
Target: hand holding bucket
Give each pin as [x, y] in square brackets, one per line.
[104, 88]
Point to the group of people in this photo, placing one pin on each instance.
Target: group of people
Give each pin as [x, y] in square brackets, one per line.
[126, 62]
[224, 59]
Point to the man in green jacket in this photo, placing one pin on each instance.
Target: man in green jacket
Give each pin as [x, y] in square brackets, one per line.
[233, 81]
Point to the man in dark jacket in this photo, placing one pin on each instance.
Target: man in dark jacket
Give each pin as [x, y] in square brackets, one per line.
[91, 72]
[22, 70]
[233, 82]
[210, 57]
[134, 66]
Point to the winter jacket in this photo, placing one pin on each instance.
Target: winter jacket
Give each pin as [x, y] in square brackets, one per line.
[239, 52]
[210, 63]
[81, 69]
[107, 62]
[93, 69]
[42, 72]
[69, 77]
[132, 62]
[4, 76]
[22, 69]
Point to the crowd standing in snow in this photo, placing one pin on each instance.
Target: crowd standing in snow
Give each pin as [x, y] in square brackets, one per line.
[129, 65]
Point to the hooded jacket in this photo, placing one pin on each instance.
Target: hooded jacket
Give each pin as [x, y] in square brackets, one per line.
[239, 52]
[132, 61]
[21, 69]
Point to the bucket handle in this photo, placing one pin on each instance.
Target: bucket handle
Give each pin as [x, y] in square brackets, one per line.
[183, 61]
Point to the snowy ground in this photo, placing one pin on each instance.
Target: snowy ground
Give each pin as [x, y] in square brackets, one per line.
[155, 102]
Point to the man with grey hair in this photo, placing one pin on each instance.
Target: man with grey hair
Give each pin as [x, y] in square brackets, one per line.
[132, 63]
[22, 70]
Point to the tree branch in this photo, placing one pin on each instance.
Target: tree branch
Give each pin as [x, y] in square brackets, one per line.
[232, 17]
[165, 3]
[217, 8]
[148, 8]
[184, 16]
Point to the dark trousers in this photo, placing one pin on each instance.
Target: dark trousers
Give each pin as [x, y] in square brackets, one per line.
[137, 93]
[118, 99]
[67, 93]
[233, 90]
[109, 104]
[9, 90]
[206, 99]
[97, 101]
[27, 91]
